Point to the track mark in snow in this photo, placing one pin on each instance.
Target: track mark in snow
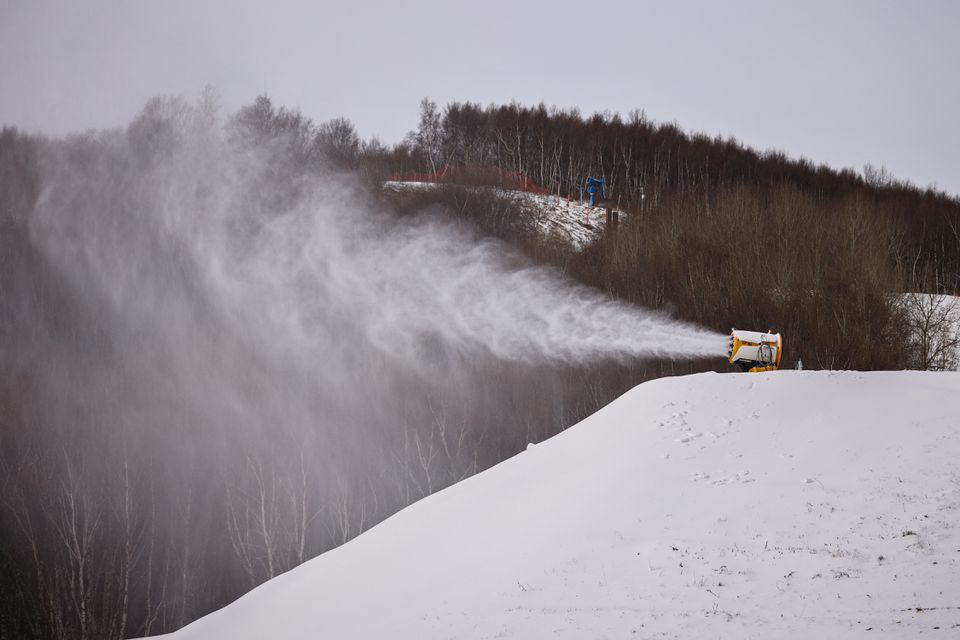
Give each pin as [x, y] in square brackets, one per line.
[742, 477]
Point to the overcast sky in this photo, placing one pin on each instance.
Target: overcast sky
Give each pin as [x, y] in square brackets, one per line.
[844, 83]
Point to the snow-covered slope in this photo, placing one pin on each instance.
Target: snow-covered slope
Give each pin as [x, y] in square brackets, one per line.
[790, 504]
[573, 221]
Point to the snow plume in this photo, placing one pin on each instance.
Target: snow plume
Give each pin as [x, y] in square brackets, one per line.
[324, 272]
[431, 281]
[225, 274]
[423, 289]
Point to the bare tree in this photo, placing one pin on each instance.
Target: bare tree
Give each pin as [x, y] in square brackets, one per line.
[253, 520]
[337, 139]
[933, 330]
[429, 136]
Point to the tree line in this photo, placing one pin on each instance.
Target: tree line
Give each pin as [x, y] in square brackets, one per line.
[644, 164]
[722, 234]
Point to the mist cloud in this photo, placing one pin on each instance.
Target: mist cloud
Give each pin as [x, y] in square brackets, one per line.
[189, 256]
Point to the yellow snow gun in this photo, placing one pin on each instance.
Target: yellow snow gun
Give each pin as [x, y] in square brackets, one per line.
[754, 351]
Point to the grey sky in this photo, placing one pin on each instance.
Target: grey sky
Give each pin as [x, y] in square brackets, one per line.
[844, 83]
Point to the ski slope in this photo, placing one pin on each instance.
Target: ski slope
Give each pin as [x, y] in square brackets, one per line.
[572, 221]
[793, 504]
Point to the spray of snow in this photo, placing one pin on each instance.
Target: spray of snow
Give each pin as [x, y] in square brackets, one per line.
[418, 286]
[250, 294]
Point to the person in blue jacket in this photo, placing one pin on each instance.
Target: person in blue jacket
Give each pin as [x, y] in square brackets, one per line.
[594, 188]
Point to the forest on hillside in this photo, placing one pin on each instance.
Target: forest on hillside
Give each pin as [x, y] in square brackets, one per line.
[720, 233]
[188, 404]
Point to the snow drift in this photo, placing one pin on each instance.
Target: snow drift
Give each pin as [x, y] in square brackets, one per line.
[792, 504]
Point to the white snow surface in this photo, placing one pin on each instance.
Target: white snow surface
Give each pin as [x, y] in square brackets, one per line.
[571, 221]
[791, 504]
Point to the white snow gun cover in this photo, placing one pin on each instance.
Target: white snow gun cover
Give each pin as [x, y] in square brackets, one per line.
[755, 351]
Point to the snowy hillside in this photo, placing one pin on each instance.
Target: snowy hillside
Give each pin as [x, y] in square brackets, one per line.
[792, 504]
[574, 221]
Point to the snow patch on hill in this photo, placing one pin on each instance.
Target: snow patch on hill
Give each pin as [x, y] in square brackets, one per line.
[572, 221]
[789, 504]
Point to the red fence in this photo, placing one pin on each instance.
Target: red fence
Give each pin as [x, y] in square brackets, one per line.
[475, 176]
